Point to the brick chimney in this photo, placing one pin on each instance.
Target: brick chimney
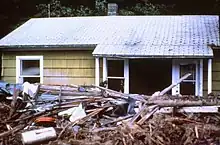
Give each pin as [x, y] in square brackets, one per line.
[112, 9]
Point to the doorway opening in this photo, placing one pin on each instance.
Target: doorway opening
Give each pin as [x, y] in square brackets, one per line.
[150, 75]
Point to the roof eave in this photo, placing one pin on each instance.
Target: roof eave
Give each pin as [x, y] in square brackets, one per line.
[47, 47]
[154, 56]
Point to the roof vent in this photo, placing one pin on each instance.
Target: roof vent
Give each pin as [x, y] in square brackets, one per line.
[112, 9]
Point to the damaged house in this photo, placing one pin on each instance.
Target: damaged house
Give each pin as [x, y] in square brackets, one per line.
[136, 54]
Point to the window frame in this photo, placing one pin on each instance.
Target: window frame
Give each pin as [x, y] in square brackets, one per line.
[198, 78]
[18, 67]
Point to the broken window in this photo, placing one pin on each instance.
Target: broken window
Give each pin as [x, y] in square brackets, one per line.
[29, 68]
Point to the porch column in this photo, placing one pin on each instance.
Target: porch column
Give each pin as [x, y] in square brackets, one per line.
[209, 76]
[105, 69]
[197, 85]
[97, 71]
[175, 77]
[201, 77]
[126, 76]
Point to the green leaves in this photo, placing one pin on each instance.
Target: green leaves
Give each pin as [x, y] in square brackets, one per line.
[56, 9]
[141, 9]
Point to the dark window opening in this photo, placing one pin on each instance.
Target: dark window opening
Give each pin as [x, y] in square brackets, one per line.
[30, 67]
[31, 79]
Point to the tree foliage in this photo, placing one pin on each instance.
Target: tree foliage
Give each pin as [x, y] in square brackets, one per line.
[141, 9]
[56, 9]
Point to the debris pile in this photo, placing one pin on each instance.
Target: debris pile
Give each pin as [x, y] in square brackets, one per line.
[81, 115]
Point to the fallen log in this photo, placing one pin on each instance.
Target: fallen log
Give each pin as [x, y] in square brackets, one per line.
[174, 84]
[45, 87]
[116, 94]
[182, 103]
[68, 93]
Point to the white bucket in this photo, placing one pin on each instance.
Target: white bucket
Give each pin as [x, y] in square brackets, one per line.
[37, 136]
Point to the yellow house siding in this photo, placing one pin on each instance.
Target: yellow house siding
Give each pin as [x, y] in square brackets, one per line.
[215, 73]
[60, 67]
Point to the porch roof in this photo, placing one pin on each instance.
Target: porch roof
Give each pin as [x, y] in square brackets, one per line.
[152, 51]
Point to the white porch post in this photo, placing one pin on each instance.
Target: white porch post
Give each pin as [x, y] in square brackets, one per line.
[105, 69]
[209, 76]
[197, 85]
[97, 71]
[201, 77]
[126, 76]
[175, 77]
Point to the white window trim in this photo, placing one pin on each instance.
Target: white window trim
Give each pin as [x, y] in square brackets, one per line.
[18, 66]
[199, 75]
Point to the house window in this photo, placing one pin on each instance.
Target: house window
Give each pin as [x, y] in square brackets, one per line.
[29, 69]
[193, 85]
[188, 86]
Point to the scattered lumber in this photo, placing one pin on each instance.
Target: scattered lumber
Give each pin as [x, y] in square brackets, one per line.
[98, 115]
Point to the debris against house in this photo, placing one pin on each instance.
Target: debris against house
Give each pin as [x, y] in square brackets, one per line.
[66, 115]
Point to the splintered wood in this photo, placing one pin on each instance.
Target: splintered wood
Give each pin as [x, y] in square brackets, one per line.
[109, 117]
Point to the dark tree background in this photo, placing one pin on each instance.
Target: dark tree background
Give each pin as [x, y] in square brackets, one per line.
[15, 12]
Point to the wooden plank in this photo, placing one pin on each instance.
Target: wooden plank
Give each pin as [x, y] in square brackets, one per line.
[203, 109]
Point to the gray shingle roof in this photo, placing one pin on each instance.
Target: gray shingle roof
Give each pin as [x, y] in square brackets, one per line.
[122, 36]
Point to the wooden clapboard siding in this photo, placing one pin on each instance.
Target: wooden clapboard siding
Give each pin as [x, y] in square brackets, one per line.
[62, 67]
[69, 80]
[215, 73]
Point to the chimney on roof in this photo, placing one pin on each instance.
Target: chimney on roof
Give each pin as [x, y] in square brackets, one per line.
[112, 9]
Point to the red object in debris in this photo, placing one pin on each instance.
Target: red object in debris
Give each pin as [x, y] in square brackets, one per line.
[45, 121]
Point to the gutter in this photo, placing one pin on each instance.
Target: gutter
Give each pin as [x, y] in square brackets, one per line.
[153, 56]
[47, 47]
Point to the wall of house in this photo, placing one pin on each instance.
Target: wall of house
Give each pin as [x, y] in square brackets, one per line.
[60, 67]
[215, 73]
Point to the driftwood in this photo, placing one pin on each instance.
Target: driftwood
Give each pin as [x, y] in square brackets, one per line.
[174, 84]
[69, 93]
[147, 116]
[115, 94]
[14, 130]
[200, 109]
[182, 103]
[103, 129]
[118, 120]
[45, 88]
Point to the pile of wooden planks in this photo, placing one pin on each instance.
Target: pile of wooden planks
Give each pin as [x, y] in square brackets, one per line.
[104, 116]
